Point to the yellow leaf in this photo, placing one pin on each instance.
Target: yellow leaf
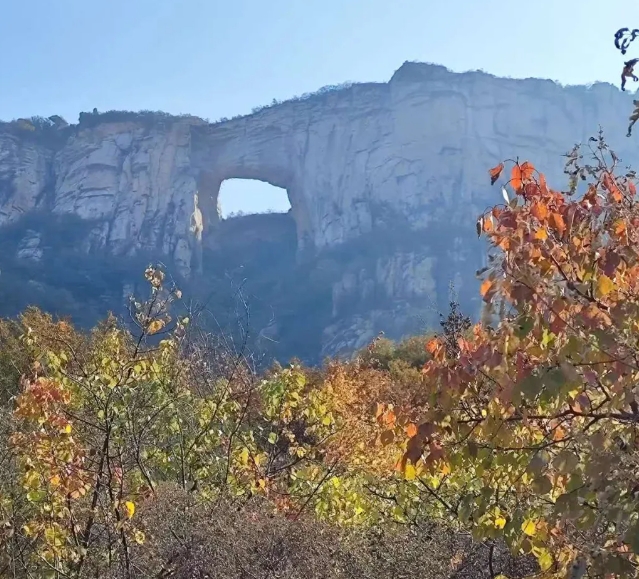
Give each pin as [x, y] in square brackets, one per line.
[410, 473]
[529, 527]
[545, 560]
[604, 285]
[139, 537]
[541, 234]
[155, 326]
[619, 227]
[130, 509]
[500, 523]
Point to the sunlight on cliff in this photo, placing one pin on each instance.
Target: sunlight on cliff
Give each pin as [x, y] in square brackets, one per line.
[245, 196]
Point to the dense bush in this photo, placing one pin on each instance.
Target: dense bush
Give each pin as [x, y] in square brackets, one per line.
[50, 132]
[147, 118]
[325, 90]
[126, 456]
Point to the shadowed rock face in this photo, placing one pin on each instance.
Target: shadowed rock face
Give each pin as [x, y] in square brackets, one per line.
[408, 155]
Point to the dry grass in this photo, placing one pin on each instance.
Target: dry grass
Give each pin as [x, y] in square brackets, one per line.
[186, 539]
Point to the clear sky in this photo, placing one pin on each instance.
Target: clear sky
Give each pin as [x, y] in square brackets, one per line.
[215, 58]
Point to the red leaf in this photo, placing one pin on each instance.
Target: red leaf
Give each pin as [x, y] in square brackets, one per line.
[557, 222]
[495, 172]
[389, 418]
[521, 174]
[527, 171]
[485, 286]
[539, 210]
[515, 178]
[611, 185]
[488, 224]
[531, 190]
[432, 345]
[616, 194]
[436, 452]
[607, 181]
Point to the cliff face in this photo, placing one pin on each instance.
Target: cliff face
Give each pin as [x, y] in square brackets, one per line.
[402, 163]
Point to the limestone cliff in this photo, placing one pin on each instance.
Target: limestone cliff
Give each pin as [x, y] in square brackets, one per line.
[403, 164]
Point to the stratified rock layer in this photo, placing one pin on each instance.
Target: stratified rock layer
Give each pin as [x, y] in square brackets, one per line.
[411, 154]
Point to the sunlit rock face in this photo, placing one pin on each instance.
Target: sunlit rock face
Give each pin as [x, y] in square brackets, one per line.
[363, 163]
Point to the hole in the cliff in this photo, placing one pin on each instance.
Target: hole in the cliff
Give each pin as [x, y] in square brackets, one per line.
[239, 197]
[256, 219]
[250, 262]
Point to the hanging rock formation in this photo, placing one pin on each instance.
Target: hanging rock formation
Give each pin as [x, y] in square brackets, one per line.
[368, 162]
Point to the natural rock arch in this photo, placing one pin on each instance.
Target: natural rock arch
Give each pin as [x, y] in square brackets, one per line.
[210, 182]
[242, 197]
[220, 153]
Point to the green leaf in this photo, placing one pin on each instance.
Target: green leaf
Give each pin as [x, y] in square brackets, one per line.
[566, 461]
[36, 496]
[542, 485]
[632, 537]
[531, 386]
[538, 464]
[524, 327]
[552, 383]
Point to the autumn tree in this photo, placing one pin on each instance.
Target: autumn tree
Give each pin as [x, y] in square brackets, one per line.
[101, 420]
[529, 430]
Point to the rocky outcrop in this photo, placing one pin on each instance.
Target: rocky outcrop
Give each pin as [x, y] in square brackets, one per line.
[25, 175]
[408, 155]
[29, 247]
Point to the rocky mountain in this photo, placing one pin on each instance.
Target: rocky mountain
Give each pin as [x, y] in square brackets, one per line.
[385, 182]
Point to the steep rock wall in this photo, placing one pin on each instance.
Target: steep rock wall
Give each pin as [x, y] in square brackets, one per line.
[411, 154]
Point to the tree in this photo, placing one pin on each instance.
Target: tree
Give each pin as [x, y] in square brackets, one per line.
[101, 420]
[529, 430]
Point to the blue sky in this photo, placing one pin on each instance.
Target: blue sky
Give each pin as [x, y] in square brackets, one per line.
[217, 58]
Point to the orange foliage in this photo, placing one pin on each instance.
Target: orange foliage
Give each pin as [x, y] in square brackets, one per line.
[532, 406]
[495, 172]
